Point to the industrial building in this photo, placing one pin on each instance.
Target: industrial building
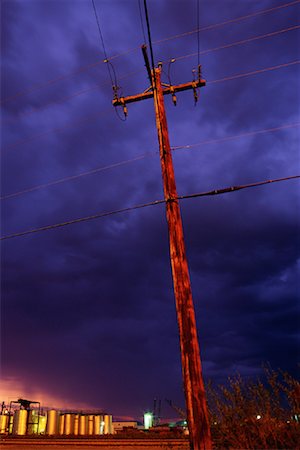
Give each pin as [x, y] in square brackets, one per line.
[26, 420]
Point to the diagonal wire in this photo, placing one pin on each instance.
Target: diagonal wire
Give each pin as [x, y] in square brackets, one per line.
[94, 116]
[241, 42]
[147, 154]
[227, 22]
[198, 30]
[203, 52]
[142, 22]
[144, 205]
[102, 42]
[89, 66]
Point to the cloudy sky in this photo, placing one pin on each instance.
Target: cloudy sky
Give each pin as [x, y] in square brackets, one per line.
[88, 311]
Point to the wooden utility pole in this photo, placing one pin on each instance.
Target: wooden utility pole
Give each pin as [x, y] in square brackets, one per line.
[197, 413]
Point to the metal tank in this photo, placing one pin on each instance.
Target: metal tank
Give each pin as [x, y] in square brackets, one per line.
[69, 424]
[82, 425]
[20, 422]
[108, 424]
[33, 422]
[97, 424]
[10, 423]
[61, 424]
[42, 424]
[76, 424]
[4, 419]
[90, 427]
[52, 422]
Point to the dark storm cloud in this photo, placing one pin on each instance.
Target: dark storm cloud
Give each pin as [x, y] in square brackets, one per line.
[88, 309]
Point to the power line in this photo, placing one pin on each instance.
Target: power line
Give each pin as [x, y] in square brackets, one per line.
[203, 52]
[74, 177]
[238, 136]
[255, 72]
[102, 42]
[149, 35]
[144, 205]
[236, 188]
[64, 99]
[227, 22]
[241, 42]
[177, 36]
[228, 78]
[149, 153]
[198, 30]
[142, 22]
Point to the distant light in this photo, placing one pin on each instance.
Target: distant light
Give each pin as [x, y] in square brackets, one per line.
[148, 420]
[102, 424]
[258, 417]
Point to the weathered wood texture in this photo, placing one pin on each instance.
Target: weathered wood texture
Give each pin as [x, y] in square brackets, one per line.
[197, 414]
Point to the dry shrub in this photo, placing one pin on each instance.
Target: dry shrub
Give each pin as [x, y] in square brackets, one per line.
[256, 414]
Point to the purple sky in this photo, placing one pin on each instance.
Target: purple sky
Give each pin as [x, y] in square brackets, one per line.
[88, 312]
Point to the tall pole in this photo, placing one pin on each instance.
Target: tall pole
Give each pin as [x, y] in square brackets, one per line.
[197, 414]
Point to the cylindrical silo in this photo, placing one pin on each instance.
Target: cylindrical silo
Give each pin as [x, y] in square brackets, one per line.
[82, 425]
[107, 424]
[10, 423]
[69, 424]
[42, 424]
[97, 424]
[61, 424]
[33, 420]
[90, 428]
[52, 422]
[76, 424]
[20, 422]
[4, 423]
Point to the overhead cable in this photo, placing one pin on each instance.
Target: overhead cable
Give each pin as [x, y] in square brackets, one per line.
[231, 77]
[227, 22]
[238, 136]
[147, 154]
[156, 202]
[241, 42]
[89, 66]
[254, 72]
[98, 86]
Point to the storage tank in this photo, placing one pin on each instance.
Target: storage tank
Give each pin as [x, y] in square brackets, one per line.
[76, 424]
[69, 424]
[52, 422]
[97, 424]
[42, 424]
[20, 422]
[33, 422]
[82, 424]
[61, 424]
[4, 423]
[10, 423]
[108, 424]
[90, 428]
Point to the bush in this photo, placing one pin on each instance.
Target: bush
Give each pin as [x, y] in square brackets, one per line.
[256, 414]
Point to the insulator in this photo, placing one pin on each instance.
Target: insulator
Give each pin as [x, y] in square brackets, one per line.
[125, 111]
[195, 95]
[174, 98]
